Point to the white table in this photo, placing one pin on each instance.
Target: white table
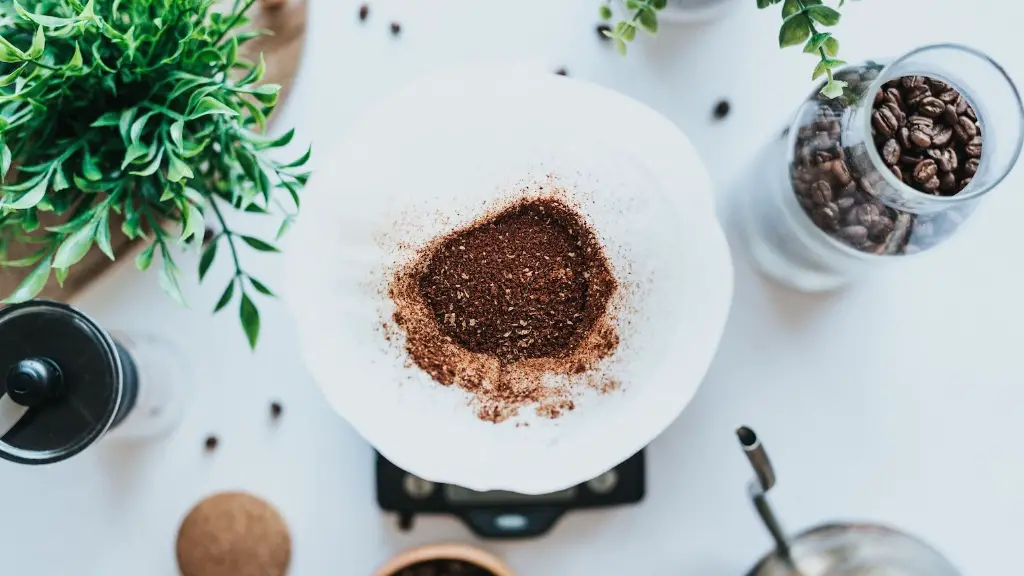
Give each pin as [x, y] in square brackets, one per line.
[898, 400]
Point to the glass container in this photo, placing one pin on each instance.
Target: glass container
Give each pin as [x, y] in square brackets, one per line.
[844, 189]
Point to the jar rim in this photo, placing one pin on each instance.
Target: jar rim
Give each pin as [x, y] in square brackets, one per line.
[968, 193]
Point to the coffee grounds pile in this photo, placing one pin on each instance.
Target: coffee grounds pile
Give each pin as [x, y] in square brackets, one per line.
[514, 297]
[444, 568]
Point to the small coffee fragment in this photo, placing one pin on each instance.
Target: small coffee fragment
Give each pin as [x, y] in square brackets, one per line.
[722, 109]
[275, 410]
[562, 71]
[396, 28]
[364, 12]
[211, 443]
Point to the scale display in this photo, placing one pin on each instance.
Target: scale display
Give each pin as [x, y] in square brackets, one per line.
[501, 514]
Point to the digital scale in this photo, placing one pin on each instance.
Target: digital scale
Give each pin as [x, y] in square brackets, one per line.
[500, 514]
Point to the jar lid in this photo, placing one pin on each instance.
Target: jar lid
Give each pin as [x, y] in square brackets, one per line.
[61, 382]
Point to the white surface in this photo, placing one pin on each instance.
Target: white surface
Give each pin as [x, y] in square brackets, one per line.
[435, 157]
[898, 400]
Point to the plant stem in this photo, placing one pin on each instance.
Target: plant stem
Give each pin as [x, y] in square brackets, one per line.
[238, 16]
[229, 236]
[814, 31]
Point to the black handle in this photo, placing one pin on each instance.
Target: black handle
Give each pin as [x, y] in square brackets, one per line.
[33, 381]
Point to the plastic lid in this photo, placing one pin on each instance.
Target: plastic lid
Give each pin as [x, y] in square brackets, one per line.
[61, 382]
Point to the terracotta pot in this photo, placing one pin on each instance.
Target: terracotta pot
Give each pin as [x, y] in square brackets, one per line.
[462, 552]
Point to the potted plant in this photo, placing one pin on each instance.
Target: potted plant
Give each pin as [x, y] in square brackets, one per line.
[801, 20]
[136, 119]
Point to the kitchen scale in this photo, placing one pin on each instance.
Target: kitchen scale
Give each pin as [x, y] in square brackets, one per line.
[500, 514]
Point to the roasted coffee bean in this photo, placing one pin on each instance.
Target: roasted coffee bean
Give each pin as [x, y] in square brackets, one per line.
[823, 141]
[961, 105]
[948, 96]
[937, 85]
[903, 136]
[893, 95]
[897, 113]
[821, 192]
[965, 129]
[912, 158]
[932, 184]
[364, 12]
[965, 183]
[855, 235]
[845, 203]
[971, 167]
[920, 138]
[850, 189]
[884, 121]
[841, 172]
[866, 187]
[918, 121]
[942, 136]
[912, 81]
[897, 172]
[880, 229]
[970, 113]
[918, 95]
[866, 214]
[973, 148]
[879, 97]
[931, 106]
[891, 152]
[925, 170]
[947, 182]
[826, 217]
[949, 115]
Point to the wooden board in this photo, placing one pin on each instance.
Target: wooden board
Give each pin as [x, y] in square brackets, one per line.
[281, 52]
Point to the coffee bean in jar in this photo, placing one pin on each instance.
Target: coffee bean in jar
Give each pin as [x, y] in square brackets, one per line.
[892, 167]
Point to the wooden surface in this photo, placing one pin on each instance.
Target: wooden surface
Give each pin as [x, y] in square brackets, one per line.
[281, 52]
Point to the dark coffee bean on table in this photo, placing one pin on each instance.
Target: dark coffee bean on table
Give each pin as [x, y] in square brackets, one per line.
[364, 12]
[722, 109]
[396, 28]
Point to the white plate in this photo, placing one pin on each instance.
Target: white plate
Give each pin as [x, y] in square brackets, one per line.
[433, 158]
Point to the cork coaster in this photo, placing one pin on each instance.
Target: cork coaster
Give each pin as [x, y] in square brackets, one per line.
[233, 534]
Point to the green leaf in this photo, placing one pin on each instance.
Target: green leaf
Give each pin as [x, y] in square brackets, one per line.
[103, 235]
[134, 152]
[152, 167]
[816, 41]
[107, 119]
[606, 12]
[795, 30]
[261, 287]
[34, 195]
[138, 126]
[286, 224]
[176, 134]
[38, 45]
[76, 58]
[88, 12]
[206, 260]
[824, 15]
[5, 161]
[648, 20]
[177, 169]
[124, 123]
[789, 8]
[75, 246]
[819, 70]
[210, 106]
[145, 258]
[48, 21]
[12, 76]
[250, 317]
[256, 74]
[89, 168]
[267, 93]
[26, 261]
[60, 182]
[301, 161]
[167, 278]
[762, 4]
[61, 274]
[258, 244]
[33, 284]
[225, 298]
[833, 89]
[193, 224]
[832, 46]
[9, 52]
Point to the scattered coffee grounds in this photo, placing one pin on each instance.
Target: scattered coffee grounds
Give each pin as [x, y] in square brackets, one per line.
[603, 30]
[211, 443]
[935, 151]
[512, 298]
[562, 72]
[396, 28]
[364, 12]
[233, 534]
[722, 109]
[275, 410]
[927, 134]
[444, 568]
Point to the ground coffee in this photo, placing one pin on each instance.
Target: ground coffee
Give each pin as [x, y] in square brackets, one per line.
[444, 568]
[497, 307]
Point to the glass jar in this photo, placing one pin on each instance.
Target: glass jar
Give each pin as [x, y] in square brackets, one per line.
[849, 187]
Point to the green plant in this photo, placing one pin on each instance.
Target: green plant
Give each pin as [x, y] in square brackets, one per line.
[142, 112]
[800, 19]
